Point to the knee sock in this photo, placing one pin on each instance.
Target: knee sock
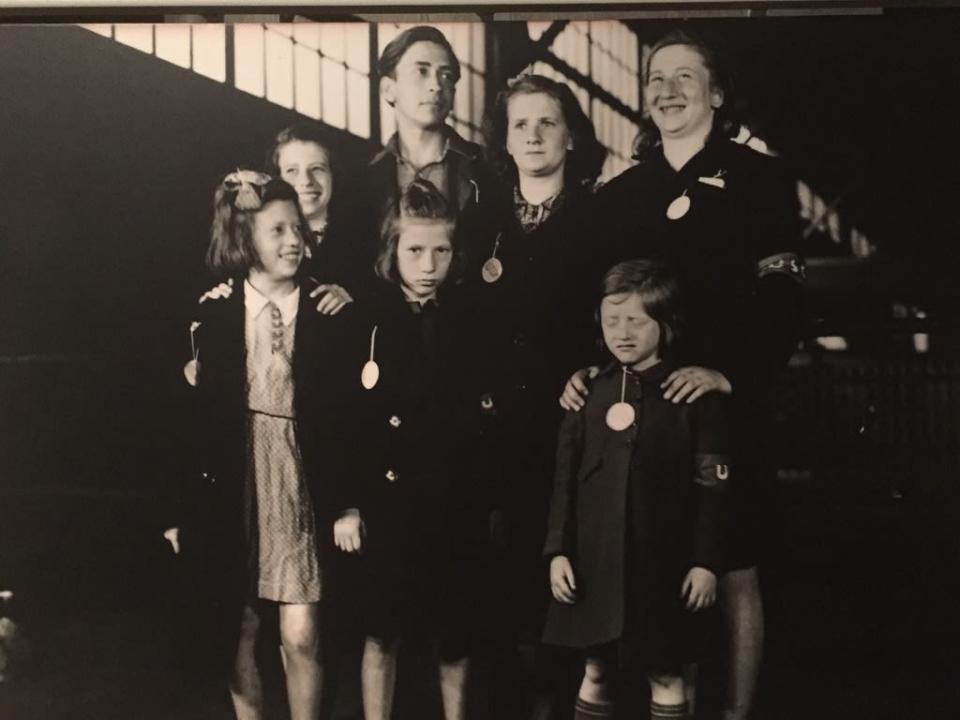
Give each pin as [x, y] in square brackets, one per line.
[586, 710]
[668, 712]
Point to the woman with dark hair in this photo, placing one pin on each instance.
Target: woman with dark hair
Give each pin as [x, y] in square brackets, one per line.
[727, 219]
[527, 279]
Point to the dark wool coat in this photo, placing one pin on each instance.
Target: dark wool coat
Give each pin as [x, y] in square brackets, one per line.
[422, 485]
[537, 324]
[735, 251]
[211, 516]
[538, 317]
[634, 510]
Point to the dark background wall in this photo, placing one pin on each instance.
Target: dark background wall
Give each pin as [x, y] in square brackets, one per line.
[108, 159]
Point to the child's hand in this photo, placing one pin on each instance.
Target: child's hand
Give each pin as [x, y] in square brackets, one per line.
[562, 584]
[172, 536]
[692, 382]
[334, 299]
[575, 393]
[699, 589]
[348, 532]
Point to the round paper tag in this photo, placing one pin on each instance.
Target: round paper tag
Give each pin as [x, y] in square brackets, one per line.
[492, 270]
[620, 416]
[678, 208]
[370, 374]
[190, 371]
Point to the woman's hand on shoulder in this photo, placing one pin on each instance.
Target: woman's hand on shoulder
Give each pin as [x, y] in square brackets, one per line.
[699, 589]
[333, 298]
[348, 531]
[575, 392]
[563, 585]
[691, 382]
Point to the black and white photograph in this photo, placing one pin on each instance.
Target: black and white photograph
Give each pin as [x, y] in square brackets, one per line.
[491, 362]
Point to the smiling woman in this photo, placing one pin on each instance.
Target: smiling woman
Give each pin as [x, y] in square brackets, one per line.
[726, 219]
[679, 93]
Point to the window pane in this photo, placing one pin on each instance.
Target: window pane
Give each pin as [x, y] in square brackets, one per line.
[536, 28]
[173, 44]
[307, 33]
[358, 104]
[307, 68]
[279, 51]
[283, 29]
[334, 83]
[477, 44]
[137, 36]
[209, 51]
[333, 41]
[248, 49]
[357, 37]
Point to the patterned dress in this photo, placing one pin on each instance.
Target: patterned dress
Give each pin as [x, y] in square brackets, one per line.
[279, 508]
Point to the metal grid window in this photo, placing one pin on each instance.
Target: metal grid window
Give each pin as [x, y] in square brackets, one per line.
[321, 70]
[468, 42]
[607, 53]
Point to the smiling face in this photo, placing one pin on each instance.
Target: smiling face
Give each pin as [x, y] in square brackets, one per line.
[538, 139]
[629, 332]
[424, 253]
[679, 94]
[278, 240]
[305, 166]
[422, 90]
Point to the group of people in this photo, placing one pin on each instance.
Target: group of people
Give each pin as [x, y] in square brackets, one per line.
[377, 384]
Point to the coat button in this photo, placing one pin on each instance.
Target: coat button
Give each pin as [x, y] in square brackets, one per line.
[395, 421]
[391, 476]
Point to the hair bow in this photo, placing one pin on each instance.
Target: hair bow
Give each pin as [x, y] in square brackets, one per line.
[248, 186]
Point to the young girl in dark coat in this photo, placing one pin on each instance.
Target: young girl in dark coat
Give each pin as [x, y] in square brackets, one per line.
[415, 503]
[638, 515]
[270, 425]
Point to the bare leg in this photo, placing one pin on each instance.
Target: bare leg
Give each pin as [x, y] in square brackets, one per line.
[667, 697]
[743, 613]
[595, 687]
[453, 688]
[246, 690]
[378, 676]
[300, 641]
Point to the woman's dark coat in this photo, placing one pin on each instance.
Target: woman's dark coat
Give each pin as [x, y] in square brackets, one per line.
[537, 325]
[735, 252]
[634, 510]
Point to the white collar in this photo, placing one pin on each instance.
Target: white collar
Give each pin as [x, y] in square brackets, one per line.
[255, 302]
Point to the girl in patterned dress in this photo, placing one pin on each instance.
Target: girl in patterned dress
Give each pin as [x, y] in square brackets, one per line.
[270, 428]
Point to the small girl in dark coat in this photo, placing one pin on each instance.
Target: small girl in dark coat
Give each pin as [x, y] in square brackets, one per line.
[414, 505]
[269, 439]
[638, 513]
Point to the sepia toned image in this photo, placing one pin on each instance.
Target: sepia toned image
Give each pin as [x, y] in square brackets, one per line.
[519, 363]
